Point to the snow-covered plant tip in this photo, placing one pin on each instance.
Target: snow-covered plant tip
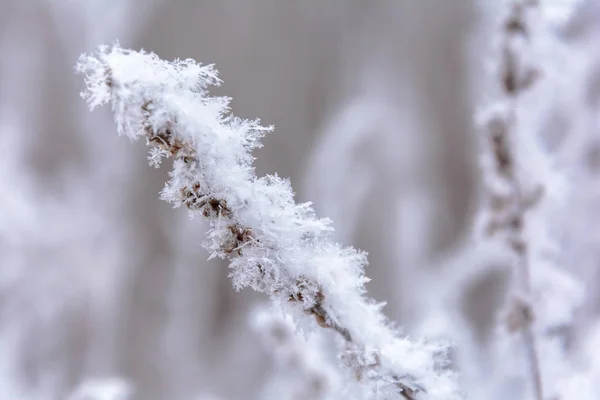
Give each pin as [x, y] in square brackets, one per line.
[275, 246]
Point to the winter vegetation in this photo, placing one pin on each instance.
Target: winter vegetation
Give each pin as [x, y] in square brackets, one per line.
[274, 245]
[459, 147]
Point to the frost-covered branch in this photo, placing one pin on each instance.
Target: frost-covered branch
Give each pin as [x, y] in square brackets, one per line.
[509, 199]
[520, 179]
[275, 246]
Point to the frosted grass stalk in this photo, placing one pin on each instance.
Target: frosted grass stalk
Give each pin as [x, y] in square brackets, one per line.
[274, 245]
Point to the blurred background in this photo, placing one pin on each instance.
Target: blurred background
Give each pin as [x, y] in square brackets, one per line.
[373, 104]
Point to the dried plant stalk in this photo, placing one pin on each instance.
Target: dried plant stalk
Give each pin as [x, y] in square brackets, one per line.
[274, 245]
[510, 201]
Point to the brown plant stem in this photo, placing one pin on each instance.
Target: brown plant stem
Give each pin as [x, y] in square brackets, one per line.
[509, 213]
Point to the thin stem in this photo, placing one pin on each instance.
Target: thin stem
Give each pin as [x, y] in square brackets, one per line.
[274, 245]
[509, 211]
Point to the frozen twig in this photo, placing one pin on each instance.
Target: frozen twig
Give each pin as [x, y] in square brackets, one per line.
[274, 245]
[509, 198]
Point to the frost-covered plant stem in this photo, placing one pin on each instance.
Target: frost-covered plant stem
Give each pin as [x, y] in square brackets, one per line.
[274, 245]
[510, 201]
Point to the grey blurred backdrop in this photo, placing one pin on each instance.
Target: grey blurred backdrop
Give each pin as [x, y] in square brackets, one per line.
[373, 105]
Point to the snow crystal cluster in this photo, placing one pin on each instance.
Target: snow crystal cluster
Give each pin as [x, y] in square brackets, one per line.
[274, 245]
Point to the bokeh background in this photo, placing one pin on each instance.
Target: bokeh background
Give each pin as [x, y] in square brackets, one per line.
[373, 104]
